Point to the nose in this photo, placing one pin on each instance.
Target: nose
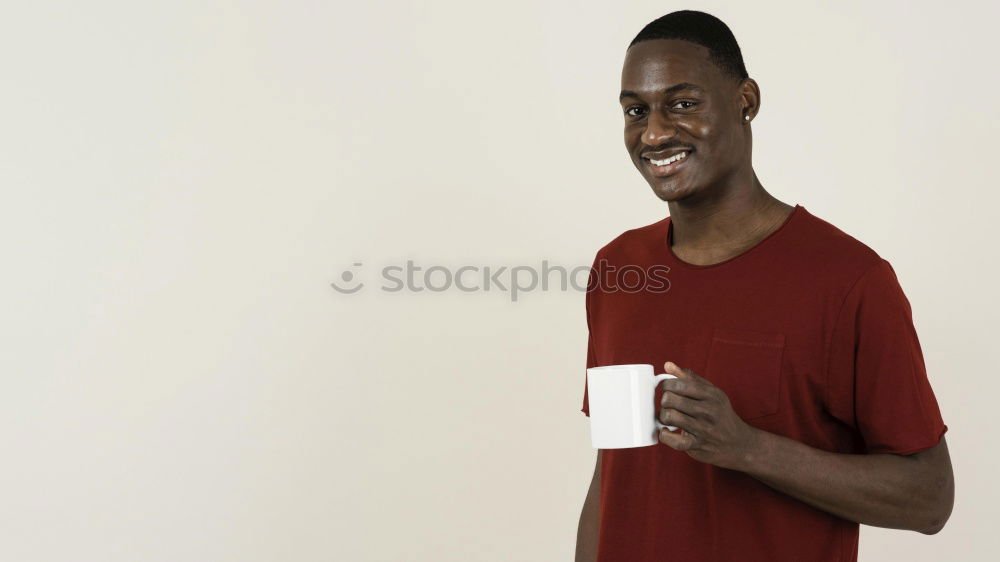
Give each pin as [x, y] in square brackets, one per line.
[659, 128]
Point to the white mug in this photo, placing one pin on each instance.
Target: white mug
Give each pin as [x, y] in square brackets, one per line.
[622, 413]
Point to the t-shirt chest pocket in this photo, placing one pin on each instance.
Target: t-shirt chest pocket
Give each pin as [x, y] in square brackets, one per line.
[746, 365]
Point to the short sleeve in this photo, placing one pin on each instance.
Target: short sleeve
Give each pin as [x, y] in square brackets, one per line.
[591, 362]
[591, 351]
[876, 379]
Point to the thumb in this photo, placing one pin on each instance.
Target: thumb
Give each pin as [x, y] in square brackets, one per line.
[671, 368]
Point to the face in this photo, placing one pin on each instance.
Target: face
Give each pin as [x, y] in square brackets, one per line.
[675, 102]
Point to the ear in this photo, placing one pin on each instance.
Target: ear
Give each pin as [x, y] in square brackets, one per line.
[748, 96]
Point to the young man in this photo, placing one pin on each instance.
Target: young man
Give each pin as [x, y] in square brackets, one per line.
[802, 401]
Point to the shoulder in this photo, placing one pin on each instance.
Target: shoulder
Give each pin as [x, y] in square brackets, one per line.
[824, 248]
[635, 243]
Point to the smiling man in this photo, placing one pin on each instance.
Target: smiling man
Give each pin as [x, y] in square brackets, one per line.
[802, 400]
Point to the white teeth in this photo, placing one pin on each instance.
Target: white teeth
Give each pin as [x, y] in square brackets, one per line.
[675, 158]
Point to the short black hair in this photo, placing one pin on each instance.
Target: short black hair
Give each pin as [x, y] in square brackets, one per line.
[703, 29]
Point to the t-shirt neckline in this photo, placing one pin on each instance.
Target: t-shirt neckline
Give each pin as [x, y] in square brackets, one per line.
[798, 210]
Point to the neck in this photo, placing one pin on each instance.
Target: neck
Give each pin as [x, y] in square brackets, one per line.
[737, 219]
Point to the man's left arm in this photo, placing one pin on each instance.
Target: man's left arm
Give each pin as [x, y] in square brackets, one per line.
[914, 492]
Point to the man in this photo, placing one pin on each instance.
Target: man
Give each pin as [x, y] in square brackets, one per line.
[802, 402]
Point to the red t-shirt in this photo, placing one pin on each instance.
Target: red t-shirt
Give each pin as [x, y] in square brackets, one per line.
[810, 336]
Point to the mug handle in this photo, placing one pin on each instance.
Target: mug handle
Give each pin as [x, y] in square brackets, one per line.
[656, 382]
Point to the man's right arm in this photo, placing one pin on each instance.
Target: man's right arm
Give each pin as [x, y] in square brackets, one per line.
[586, 533]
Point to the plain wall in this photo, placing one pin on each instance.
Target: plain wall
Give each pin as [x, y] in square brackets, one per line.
[182, 182]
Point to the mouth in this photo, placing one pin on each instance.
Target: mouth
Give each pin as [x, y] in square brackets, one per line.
[667, 166]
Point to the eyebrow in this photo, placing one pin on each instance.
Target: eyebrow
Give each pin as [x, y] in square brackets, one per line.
[667, 91]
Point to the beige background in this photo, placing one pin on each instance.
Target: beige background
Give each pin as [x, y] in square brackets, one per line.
[183, 180]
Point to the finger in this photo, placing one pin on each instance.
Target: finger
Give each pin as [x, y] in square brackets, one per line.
[682, 441]
[689, 406]
[687, 387]
[670, 416]
[682, 372]
[673, 369]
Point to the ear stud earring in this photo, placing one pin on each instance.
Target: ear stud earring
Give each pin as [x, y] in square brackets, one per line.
[747, 117]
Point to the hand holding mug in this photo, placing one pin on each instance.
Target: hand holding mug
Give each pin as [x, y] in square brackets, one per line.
[711, 432]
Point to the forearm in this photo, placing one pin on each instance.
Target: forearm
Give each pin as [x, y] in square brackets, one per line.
[882, 490]
[586, 532]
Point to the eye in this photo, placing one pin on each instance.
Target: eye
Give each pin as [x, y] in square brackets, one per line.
[628, 110]
[686, 101]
